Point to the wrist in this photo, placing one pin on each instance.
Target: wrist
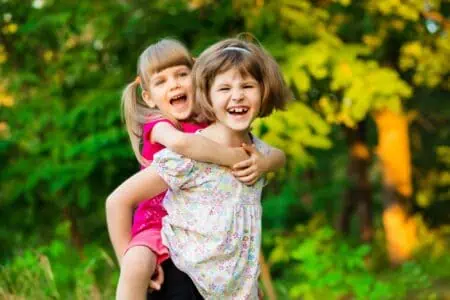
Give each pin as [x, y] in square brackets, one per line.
[265, 165]
[238, 155]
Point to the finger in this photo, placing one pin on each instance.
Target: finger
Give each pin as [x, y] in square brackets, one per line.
[243, 164]
[244, 172]
[253, 181]
[247, 179]
[155, 283]
[249, 148]
[160, 276]
[154, 286]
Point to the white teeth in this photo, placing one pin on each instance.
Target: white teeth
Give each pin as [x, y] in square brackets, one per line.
[177, 97]
[238, 110]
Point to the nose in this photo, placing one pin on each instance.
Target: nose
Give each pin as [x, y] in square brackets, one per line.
[174, 83]
[237, 94]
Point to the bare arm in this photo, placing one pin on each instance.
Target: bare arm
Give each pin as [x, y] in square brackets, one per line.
[121, 203]
[275, 160]
[250, 170]
[195, 146]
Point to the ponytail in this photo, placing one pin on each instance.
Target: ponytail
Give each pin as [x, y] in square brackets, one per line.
[135, 113]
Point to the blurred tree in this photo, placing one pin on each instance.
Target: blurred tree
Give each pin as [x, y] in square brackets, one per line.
[351, 60]
[63, 64]
[62, 136]
[62, 144]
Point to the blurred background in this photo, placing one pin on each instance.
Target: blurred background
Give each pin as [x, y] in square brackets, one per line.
[362, 209]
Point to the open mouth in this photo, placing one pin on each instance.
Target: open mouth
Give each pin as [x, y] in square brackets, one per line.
[178, 99]
[238, 110]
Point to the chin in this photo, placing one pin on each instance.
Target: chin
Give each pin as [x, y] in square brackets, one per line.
[239, 128]
[181, 116]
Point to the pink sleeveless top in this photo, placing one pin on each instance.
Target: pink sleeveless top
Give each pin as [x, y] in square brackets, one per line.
[149, 213]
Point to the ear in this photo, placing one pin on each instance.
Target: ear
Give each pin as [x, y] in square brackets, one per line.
[148, 99]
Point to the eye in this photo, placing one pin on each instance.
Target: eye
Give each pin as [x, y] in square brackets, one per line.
[183, 74]
[158, 82]
[248, 86]
[224, 89]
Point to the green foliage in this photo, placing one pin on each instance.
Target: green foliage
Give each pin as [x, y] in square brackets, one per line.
[355, 87]
[55, 272]
[428, 62]
[313, 262]
[317, 264]
[294, 130]
[63, 147]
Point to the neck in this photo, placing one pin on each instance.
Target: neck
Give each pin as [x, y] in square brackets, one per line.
[226, 136]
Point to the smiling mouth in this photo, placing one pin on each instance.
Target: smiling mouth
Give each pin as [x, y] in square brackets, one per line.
[238, 110]
[178, 99]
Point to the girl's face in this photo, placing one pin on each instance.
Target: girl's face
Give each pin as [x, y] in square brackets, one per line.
[236, 99]
[171, 92]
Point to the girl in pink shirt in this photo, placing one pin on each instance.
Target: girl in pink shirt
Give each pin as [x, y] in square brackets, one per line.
[159, 112]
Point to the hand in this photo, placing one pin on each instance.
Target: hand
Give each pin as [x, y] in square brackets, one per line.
[157, 279]
[251, 169]
[239, 155]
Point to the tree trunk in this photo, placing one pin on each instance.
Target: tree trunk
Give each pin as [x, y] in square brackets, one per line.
[266, 279]
[75, 236]
[394, 154]
[359, 195]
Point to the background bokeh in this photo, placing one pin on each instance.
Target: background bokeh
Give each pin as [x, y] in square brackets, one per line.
[362, 209]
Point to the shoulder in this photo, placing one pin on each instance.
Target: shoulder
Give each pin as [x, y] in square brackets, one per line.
[172, 161]
[174, 168]
[147, 127]
[261, 146]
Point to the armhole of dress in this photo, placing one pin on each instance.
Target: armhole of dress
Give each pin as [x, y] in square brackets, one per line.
[153, 127]
[252, 137]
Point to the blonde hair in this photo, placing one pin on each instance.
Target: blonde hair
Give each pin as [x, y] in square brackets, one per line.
[249, 59]
[157, 57]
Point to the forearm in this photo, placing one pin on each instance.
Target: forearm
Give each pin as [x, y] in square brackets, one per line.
[203, 149]
[195, 146]
[120, 205]
[275, 160]
[119, 220]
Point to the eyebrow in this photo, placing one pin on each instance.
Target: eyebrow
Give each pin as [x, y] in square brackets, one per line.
[157, 77]
[179, 69]
[222, 84]
[183, 68]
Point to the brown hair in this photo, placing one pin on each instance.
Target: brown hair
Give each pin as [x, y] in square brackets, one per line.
[157, 57]
[250, 59]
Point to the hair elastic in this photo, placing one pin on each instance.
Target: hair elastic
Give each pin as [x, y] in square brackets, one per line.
[236, 49]
[138, 79]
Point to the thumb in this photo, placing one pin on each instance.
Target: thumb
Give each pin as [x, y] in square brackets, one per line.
[250, 149]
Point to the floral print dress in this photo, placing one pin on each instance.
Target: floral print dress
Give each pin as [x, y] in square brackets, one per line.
[213, 226]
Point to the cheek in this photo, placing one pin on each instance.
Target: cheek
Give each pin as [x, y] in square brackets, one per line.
[187, 82]
[157, 91]
[257, 97]
[220, 101]
[213, 99]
